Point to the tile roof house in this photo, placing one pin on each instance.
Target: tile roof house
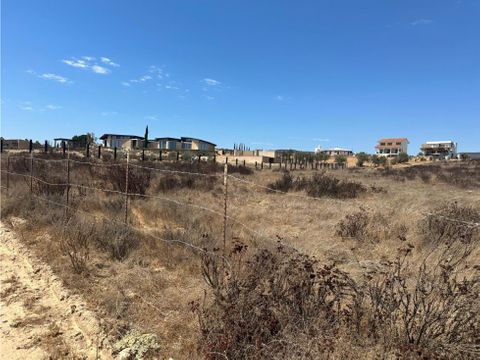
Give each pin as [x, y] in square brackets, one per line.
[392, 146]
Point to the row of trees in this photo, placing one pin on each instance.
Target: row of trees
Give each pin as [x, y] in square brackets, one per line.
[376, 160]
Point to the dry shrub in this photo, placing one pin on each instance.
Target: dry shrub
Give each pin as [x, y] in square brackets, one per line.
[117, 239]
[354, 225]
[278, 304]
[430, 313]
[262, 302]
[138, 178]
[319, 185]
[168, 182]
[75, 240]
[284, 183]
[324, 185]
[452, 222]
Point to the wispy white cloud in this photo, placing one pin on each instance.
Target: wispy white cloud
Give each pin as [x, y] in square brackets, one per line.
[125, 83]
[282, 98]
[421, 22]
[208, 97]
[211, 82]
[151, 117]
[88, 63]
[81, 64]
[28, 106]
[52, 107]
[54, 77]
[108, 61]
[100, 69]
[321, 140]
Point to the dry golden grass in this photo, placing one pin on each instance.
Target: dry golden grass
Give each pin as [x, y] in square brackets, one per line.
[152, 288]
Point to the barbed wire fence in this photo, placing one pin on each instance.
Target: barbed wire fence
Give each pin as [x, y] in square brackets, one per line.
[30, 163]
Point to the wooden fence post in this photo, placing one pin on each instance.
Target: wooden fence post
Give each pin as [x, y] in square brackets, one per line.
[87, 154]
[46, 146]
[261, 165]
[255, 165]
[30, 146]
[226, 159]
[160, 155]
[178, 156]
[99, 154]
[67, 192]
[8, 170]
[64, 148]
[115, 153]
[225, 202]
[31, 172]
[126, 188]
[143, 154]
[236, 162]
[244, 163]
[1, 145]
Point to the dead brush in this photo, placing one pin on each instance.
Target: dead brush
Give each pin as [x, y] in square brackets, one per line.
[451, 222]
[76, 236]
[115, 178]
[261, 300]
[319, 185]
[431, 312]
[116, 239]
[354, 225]
[169, 182]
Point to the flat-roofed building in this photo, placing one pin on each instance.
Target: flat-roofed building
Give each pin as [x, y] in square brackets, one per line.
[439, 149]
[117, 140]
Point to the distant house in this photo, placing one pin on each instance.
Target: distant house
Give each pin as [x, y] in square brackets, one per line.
[15, 144]
[470, 155]
[439, 149]
[392, 146]
[116, 140]
[185, 143]
[335, 151]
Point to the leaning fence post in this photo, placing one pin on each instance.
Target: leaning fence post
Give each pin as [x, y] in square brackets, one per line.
[126, 189]
[225, 201]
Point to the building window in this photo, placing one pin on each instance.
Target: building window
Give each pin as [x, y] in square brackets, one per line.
[162, 144]
[203, 146]
[186, 146]
[172, 145]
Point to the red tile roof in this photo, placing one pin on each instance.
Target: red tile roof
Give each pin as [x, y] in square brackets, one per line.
[393, 140]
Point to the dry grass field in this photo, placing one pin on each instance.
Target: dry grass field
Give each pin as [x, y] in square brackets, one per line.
[383, 263]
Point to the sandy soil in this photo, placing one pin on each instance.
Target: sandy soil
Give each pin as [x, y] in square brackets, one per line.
[38, 318]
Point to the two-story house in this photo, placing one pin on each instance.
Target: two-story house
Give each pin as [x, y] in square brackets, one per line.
[392, 146]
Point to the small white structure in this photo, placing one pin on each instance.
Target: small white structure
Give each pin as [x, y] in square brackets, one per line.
[334, 151]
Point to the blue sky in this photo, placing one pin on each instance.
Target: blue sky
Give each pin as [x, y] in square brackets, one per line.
[270, 74]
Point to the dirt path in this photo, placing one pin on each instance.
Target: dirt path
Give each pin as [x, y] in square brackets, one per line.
[39, 319]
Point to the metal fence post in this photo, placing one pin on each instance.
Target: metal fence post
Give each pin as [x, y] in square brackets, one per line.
[126, 189]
